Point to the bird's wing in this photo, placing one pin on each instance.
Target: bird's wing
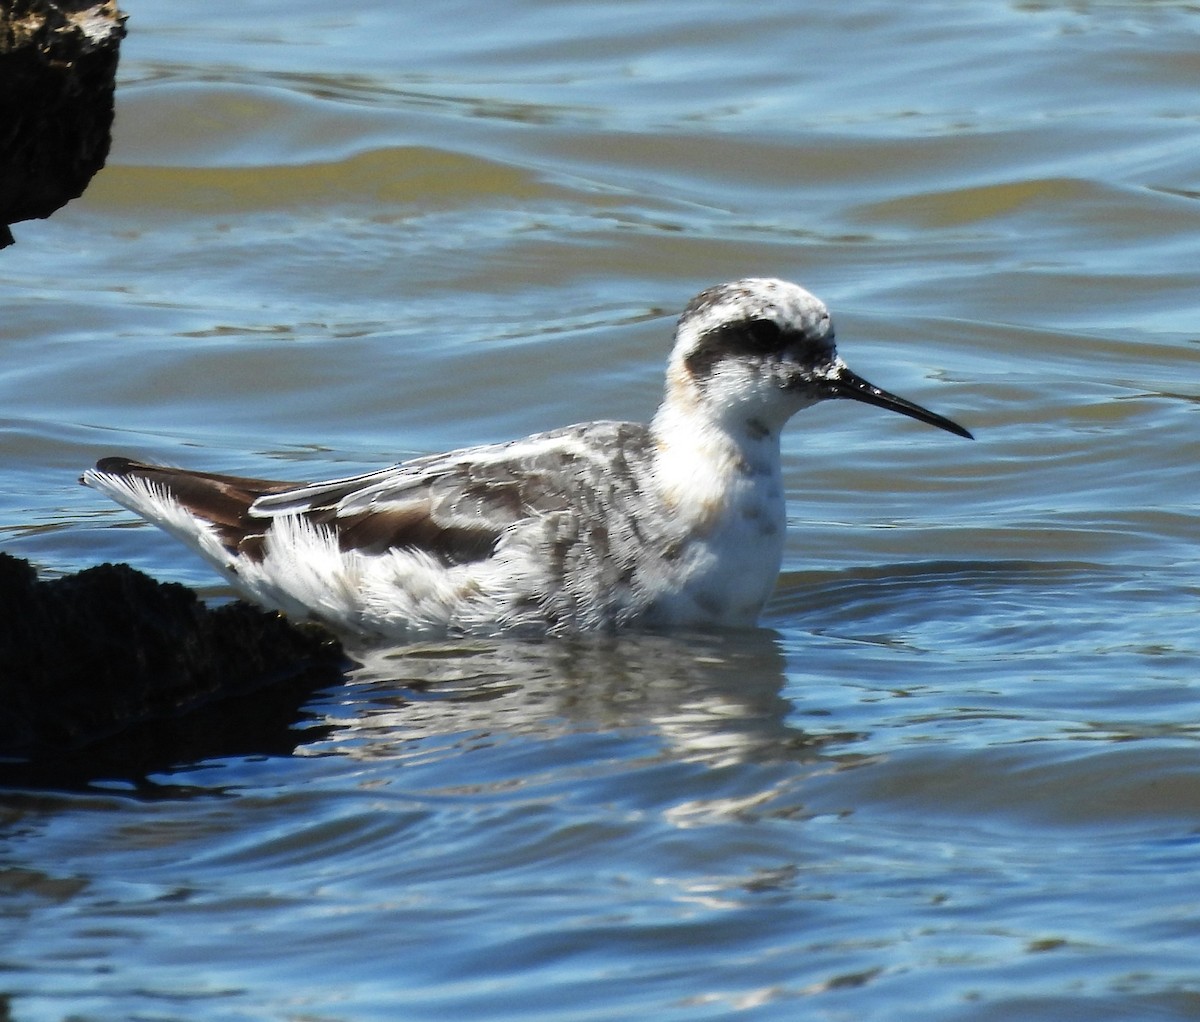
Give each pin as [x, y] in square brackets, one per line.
[456, 506]
[452, 506]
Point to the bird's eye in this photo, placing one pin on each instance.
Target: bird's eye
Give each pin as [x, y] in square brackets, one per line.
[763, 334]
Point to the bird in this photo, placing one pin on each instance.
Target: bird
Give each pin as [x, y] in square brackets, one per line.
[595, 527]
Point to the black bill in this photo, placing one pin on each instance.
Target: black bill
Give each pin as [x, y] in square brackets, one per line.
[843, 382]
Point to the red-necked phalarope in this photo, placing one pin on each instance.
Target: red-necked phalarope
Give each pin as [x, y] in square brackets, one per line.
[593, 526]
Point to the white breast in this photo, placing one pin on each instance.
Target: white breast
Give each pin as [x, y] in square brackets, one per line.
[727, 498]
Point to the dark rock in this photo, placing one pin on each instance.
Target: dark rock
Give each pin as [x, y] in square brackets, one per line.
[110, 673]
[58, 66]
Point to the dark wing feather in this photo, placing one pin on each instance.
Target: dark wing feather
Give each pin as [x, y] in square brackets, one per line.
[223, 500]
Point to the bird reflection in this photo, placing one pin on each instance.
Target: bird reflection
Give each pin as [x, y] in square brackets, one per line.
[715, 698]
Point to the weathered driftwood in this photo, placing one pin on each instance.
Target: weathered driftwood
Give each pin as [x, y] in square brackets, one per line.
[58, 66]
[110, 673]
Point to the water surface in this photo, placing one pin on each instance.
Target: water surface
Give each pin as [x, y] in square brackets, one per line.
[954, 776]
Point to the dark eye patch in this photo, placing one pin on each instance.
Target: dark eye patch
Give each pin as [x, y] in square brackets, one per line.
[746, 337]
[763, 335]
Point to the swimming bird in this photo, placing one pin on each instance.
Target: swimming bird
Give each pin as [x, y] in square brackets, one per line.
[595, 526]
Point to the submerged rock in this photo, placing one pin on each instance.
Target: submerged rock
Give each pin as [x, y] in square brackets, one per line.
[111, 673]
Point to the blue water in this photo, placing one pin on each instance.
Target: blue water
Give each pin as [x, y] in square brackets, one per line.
[953, 776]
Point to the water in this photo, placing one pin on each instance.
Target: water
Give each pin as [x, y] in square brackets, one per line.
[955, 774]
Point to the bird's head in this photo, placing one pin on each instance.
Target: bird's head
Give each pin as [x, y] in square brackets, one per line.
[750, 354]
